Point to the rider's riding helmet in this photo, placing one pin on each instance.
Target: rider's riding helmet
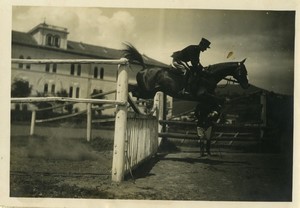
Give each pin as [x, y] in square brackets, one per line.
[204, 42]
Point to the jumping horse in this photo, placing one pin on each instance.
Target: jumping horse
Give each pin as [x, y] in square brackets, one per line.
[153, 79]
[202, 88]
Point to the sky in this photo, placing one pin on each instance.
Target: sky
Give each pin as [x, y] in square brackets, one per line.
[265, 38]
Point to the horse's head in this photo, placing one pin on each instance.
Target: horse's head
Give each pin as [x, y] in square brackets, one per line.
[240, 74]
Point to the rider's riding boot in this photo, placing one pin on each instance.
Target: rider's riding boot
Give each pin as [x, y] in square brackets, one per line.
[202, 154]
[208, 147]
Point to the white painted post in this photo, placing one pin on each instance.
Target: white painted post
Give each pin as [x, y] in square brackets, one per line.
[33, 115]
[118, 165]
[89, 122]
[159, 112]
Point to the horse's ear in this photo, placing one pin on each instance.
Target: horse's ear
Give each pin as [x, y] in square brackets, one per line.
[243, 61]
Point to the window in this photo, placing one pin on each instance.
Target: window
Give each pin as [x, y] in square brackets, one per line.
[117, 73]
[101, 73]
[54, 68]
[53, 40]
[47, 67]
[17, 107]
[95, 72]
[46, 88]
[56, 41]
[78, 70]
[49, 40]
[71, 91]
[24, 107]
[77, 92]
[28, 65]
[20, 64]
[72, 69]
[53, 88]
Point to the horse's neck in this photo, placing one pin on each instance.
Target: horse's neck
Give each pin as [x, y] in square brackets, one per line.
[220, 71]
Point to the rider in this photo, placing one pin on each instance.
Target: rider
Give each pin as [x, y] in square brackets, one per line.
[189, 54]
[206, 115]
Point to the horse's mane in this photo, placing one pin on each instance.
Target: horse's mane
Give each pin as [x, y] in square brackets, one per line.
[132, 54]
[220, 66]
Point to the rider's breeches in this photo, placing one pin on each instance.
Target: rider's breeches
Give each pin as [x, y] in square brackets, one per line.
[204, 137]
[204, 134]
[180, 65]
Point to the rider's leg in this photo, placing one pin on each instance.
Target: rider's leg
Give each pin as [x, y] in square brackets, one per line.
[200, 133]
[208, 142]
[185, 83]
[202, 147]
[208, 139]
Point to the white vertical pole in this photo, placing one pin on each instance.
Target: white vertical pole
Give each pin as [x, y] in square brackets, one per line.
[159, 112]
[118, 165]
[33, 115]
[89, 122]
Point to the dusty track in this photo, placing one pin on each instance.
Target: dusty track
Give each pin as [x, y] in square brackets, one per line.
[174, 176]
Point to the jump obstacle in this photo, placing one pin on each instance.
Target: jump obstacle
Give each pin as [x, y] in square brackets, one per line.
[135, 138]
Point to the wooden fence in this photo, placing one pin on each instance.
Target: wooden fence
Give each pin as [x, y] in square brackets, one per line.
[135, 139]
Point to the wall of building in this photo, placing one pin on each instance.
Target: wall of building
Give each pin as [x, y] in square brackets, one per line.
[61, 78]
[65, 76]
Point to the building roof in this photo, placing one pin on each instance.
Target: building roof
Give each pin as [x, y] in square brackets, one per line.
[80, 48]
[100, 51]
[23, 38]
[50, 27]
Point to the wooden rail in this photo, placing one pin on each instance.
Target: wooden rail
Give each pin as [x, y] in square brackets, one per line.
[70, 61]
[195, 137]
[60, 117]
[64, 99]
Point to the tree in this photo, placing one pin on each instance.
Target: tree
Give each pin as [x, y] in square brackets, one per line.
[61, 93]
[20, 88]
[97, 94]
[64, 93]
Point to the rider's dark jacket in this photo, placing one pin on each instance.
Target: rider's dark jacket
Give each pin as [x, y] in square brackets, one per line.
[190, 53]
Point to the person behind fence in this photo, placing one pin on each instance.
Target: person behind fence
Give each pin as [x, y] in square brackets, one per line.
[190, 54]
[206, 117]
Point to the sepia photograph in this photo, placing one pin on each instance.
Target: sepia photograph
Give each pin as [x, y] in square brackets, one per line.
[150, 104]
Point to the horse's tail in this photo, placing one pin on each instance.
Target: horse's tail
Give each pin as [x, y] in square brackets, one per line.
[132, 54]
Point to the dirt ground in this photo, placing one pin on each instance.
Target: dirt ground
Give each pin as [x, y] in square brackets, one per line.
[73, 168]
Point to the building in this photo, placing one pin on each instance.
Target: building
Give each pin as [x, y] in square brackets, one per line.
[78, 80]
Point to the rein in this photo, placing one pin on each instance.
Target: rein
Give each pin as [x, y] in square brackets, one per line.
[228, 81]
[231, 80]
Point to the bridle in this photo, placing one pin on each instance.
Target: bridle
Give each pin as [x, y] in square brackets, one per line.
[229, 80]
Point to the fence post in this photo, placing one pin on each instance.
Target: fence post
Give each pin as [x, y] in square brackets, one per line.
[118, 165]
[263, 102]
[89, 122]
[33, 115]
[159, 112]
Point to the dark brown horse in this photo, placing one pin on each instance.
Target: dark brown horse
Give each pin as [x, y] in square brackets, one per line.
[153, 79]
